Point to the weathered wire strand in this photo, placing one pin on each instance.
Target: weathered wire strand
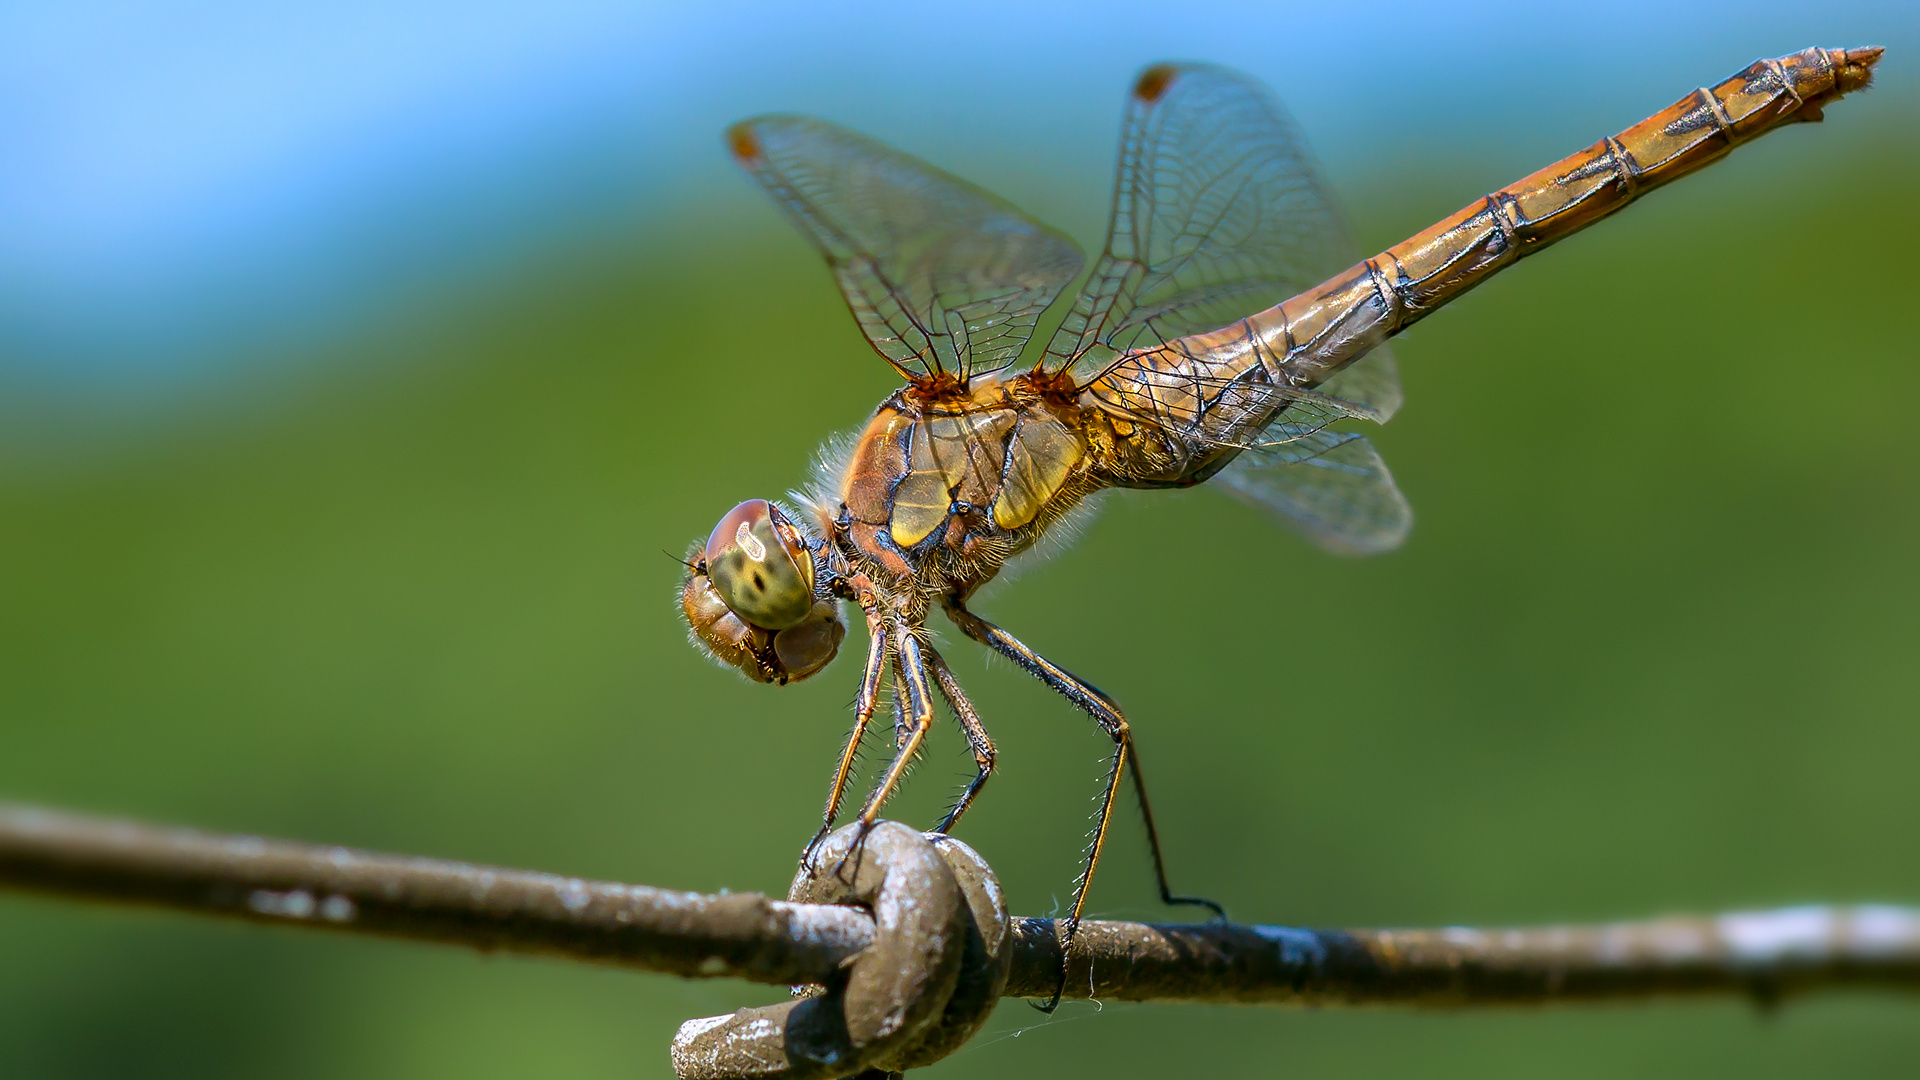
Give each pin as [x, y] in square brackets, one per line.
[744, 935]
[1766, 954]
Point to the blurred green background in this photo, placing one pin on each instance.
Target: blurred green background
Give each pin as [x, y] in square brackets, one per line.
[403, 585]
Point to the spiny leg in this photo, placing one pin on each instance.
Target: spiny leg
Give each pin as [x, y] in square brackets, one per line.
[977, 737]
[902, 715]
[863, 708]
[1105, 713]
[1090, 700]
[910, 672]
[1153, 842]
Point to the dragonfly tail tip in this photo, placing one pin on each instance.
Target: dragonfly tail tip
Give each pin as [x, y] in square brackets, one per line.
[1855, 67]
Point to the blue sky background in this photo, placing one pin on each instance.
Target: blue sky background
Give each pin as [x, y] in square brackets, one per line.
[190, 187]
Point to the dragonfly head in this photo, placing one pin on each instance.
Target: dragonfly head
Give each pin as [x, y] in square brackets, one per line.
[751, 597]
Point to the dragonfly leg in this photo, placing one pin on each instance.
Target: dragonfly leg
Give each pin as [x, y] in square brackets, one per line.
[863, 708]
[1090, 700]
[902, 716]
[910, 673]
[977, 737]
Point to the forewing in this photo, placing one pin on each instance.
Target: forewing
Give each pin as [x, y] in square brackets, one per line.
[941, 275]
[1330, 486]
[1218, 212]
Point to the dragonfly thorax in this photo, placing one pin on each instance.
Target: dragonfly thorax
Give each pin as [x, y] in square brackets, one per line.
[943, 492]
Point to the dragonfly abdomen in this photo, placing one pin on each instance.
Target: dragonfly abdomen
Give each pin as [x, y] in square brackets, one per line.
[1325, 328]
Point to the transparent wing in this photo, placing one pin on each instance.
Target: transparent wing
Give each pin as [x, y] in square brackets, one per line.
[1218, 212]
[1372, 383]
[941, 275]
[1330, 486]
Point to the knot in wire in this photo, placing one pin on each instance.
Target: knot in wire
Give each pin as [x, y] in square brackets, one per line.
[938, 962]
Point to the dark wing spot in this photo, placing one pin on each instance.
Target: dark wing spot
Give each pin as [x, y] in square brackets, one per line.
[1154, 82]
[744, 144]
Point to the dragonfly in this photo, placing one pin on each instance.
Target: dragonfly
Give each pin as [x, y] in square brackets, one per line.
[1224, 335]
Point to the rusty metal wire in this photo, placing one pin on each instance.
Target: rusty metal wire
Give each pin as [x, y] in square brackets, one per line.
[744, 935]
[1762, 954]
[909, 943]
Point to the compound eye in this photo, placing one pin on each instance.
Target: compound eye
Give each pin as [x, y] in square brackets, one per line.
[759, 564]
